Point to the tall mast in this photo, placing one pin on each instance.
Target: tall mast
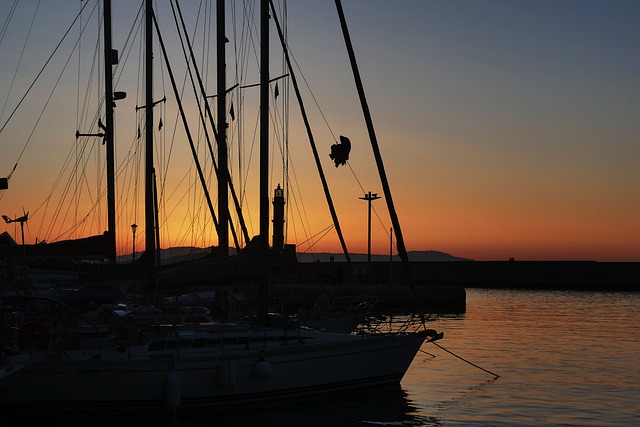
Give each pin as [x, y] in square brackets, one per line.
[264, 123]
[108, 131]
[223, 171]
[263, 286]
[149, 201]
[374, 141]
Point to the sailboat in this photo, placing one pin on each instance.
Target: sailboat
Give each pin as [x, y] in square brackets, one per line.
[73, 355]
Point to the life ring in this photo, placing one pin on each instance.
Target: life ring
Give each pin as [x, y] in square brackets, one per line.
[35, 333]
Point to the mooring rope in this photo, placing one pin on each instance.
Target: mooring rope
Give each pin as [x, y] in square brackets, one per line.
[463, 359]
[427, 353]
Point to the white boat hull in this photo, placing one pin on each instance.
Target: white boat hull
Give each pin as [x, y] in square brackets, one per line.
[209, 378]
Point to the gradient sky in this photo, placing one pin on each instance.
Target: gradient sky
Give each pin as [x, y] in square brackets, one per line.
[508, 128]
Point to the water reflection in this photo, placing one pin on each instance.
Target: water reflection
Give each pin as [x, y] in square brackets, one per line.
[381, 406]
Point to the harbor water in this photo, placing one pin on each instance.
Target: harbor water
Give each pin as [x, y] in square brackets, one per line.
[561, 359]
[564, 359]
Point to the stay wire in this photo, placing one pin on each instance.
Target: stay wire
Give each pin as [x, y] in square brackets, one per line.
[322, 233]
[6, 21]
[353, 173]
[24, 47]
[34, 82]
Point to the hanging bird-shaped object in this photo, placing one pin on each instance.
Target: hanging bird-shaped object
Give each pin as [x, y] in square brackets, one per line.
[340, 151]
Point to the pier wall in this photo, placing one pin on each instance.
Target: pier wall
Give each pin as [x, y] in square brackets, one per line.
[570, 275]
[441, 285]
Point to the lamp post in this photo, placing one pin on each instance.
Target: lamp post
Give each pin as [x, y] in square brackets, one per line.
[369, 197]
[391, 255]
[134, 228]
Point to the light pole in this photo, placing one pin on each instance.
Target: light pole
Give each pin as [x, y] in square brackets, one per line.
[369, 197]
[134, 228]
[391, 255]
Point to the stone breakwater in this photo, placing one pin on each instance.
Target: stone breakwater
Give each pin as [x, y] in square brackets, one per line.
[440, 285]
[582, 275]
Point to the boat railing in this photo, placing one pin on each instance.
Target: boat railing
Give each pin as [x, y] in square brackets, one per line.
[391, 323]
[354, 305]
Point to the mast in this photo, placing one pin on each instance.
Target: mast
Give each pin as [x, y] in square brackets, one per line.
[263, 286]
[223, 171]
[110, 59]
[264, 123]
[149, 200]
[374, 141]
[234, 196]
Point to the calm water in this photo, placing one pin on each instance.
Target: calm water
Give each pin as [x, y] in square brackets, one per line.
[564, 358]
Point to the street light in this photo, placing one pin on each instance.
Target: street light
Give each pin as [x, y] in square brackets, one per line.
[391, 256]
[369, 197]
[134, 227]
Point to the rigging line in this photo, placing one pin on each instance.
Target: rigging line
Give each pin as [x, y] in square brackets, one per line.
[294, 224]
[67, 162]
[323, 232]
[306, 83]
[43, 109]
[184, 194]
[128, 184]
[241, 48]
[286, 116]
[6, 21]
[70, 161]
[194, 202]
[24, 47]
[40, 73]
[119, 68]
[63, 234]
[67, 187]
[247, 45]
[250, 159]
[81, 113]
[356, 178]
[87, 97]
[78, 76]
[202, 118]
[182, 114]
[76, 191]
[191, 77]
[74, 173]
[167, 156]
[325, 186]
[299, 204]
[236, 129]
[45, 106]
[45, 202]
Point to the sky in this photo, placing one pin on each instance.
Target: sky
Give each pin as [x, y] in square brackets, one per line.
[507, 128]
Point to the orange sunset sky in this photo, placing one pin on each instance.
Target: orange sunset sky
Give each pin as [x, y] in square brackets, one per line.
[507, 128]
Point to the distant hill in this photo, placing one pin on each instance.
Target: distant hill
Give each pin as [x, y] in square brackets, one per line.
[415, 256]
[434, 256]
[172, 255]
[176, 254]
